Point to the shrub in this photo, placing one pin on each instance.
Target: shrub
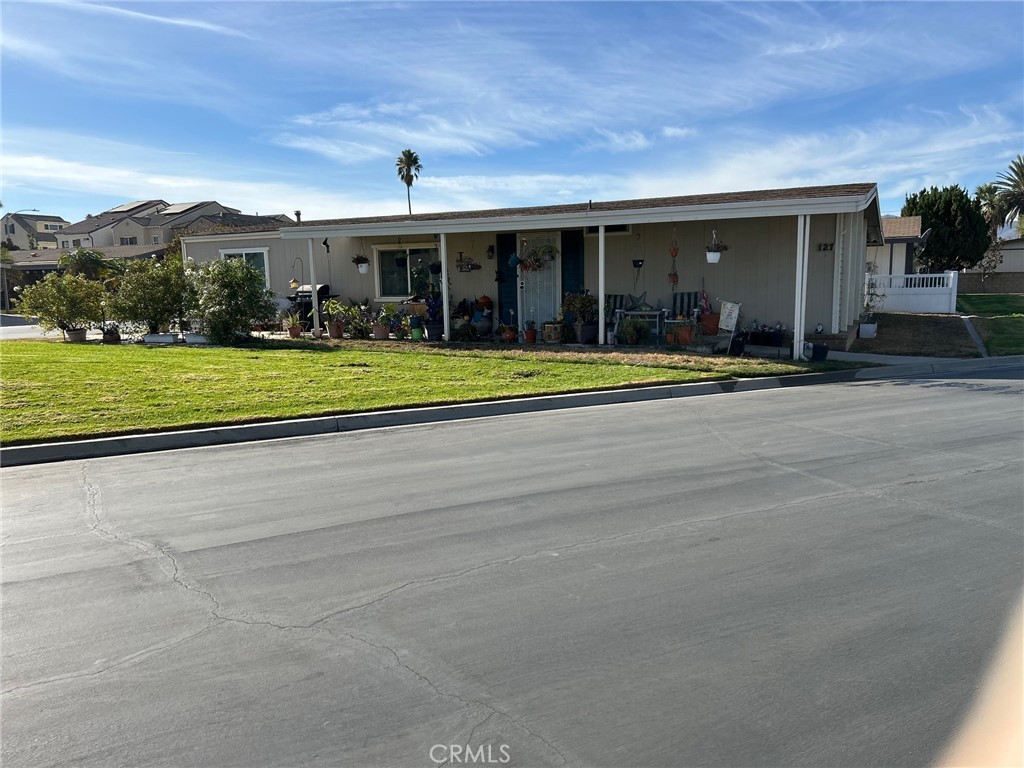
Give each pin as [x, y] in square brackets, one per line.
[65, 301]
[231, 297]
[633, 330]
[152, 293]
[465, 332]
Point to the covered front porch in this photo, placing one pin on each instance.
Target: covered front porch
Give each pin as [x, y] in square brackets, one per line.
[794, 256]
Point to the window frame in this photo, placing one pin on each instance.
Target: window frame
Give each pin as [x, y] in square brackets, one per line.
[241, 253]
[407, 247]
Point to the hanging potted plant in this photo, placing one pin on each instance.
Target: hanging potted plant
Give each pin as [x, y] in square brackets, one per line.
[715, 248]
[532, 261]
[362, 263]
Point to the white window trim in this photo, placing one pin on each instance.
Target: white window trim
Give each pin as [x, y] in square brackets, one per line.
[375, 265]
[241, 251]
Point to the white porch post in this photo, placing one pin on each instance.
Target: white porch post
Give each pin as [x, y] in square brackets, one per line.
[602, 320]
[800, 305]
[837, 272]
[443, 243]
[315, 298]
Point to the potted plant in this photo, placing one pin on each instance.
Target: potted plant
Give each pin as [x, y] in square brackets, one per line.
[152, 293]
[530, 332]
[434, 324]
[65, 301]
[715, 248]
[292, 323]
[551, 331]
[873, 302]
[684, 331]
[111, 332]
[633, 331]
[416, 327]
[336, 314]
[582, 307]
[401, 327]
[362, 263]
[383, 322]
[509, 332]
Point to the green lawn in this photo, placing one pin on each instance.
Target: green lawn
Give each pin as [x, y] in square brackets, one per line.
[999, 319]
[54, 390]
[991, 304]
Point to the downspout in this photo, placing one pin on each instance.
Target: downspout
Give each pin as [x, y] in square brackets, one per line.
[315, 298]
[602, 320]
[443, 243]
[837, 272]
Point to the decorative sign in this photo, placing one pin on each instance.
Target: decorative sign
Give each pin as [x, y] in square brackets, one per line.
[730, 316]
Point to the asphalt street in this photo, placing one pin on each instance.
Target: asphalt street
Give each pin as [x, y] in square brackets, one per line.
[791, 577]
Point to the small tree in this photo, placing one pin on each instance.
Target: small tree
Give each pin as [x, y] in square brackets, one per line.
[65, 301]
[152, 293]
[993, 208]
[959, 236]
[231, 297]
[90, 264]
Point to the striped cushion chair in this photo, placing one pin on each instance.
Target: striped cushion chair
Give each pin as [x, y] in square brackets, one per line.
[683, 304]
[614, 304]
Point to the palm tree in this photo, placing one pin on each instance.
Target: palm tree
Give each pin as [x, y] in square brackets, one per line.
[1011, 189]
[408, 167]
[992, 207]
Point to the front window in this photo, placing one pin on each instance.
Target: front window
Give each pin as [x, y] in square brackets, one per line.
[398, 269]
[76, 243]
[53, 227]
[156, 239]
[254, 257]
[129, 240]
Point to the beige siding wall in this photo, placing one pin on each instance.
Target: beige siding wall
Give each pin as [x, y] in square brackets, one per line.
[758, 270]
[879, 257]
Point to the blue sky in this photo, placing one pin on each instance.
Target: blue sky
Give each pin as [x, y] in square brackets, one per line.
[271, 107]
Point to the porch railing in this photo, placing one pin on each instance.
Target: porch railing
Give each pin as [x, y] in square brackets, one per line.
[915, 293]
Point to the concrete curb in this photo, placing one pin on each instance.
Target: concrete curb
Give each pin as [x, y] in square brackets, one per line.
[323, 425]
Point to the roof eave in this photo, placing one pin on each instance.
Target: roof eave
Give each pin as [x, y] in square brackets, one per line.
[589, 218]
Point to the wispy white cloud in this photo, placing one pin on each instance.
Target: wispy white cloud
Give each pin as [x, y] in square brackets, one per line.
[613, 141]
[673, 132]
[124, 13]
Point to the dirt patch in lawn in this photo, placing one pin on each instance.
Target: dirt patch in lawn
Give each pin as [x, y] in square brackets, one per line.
[919, 335]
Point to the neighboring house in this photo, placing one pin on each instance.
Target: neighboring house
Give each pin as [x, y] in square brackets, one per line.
[796, 256]
[98, 231]
[30, 231]
[154, 222]
[34, 265]
[1008, 276]
[896, 256]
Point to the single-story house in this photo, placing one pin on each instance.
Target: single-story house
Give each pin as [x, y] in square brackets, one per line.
[903, 238]
[795, 256]
[1008, 277]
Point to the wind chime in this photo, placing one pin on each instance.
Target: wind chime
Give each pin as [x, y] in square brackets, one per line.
[673, 251]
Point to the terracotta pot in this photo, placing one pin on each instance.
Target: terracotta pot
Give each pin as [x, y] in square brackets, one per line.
[709, 323]
[684, 335]
[509, 335]
[336, 329]
[295, 331]
[530, 336]
[380, 332]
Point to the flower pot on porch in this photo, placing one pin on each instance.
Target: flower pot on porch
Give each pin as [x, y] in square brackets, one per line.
[709, 323]
[381, 332]
[530, 336]
[417, 333]
[684, 335]
[586, 333]
[509, 335]
[335, 329]
[295, 331]
[434, 329]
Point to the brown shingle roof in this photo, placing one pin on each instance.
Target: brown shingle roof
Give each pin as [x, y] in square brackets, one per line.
[901, 227]
[721, 198]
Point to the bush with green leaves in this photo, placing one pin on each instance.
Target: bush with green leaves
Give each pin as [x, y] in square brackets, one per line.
[153, 293]
[633, 331]
[65, 301]
[960, 234]
[232, 296]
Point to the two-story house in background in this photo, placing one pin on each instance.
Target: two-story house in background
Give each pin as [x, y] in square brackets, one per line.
[28, 231]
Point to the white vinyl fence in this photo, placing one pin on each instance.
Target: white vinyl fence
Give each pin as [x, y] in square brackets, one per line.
[935, 294]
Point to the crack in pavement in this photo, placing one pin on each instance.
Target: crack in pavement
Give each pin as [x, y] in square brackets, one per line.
[469, 703]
